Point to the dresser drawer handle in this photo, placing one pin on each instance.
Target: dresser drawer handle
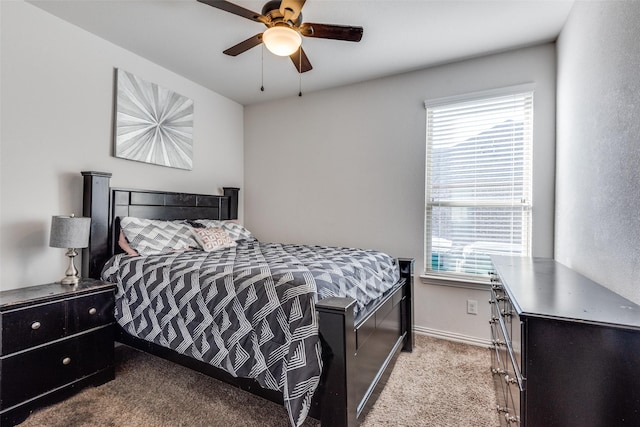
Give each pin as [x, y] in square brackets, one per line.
[66, 361]
[510, 380]
[35, 325]
[92, 311]
[511, 419]
[498, 371]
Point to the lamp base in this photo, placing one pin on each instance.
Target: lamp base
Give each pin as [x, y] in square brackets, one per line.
[70, 280]
[71, 275]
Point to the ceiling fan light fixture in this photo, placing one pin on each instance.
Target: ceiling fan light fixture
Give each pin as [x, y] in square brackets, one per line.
[282, 41]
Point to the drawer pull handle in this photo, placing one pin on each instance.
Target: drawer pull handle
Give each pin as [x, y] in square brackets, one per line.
[66, 361]
[498, 371]
[511, 419]
[510, 380]
[92, 311]
[35, 325]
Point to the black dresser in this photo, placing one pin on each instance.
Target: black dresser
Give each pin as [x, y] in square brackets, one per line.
[567, 350]
[55, 339]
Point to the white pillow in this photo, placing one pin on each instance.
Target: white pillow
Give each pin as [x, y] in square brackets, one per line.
[150, 237]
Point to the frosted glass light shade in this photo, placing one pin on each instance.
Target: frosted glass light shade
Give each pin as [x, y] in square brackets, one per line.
[282, 41]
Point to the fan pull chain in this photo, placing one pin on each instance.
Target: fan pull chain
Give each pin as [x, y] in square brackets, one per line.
[300, 71]
[262, 70]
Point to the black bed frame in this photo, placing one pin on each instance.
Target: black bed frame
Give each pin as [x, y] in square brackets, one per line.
[357, 356]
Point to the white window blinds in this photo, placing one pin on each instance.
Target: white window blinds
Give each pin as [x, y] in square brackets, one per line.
[478, 182]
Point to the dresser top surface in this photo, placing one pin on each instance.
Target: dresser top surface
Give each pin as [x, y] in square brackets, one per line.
[16, 298]
[541, 287]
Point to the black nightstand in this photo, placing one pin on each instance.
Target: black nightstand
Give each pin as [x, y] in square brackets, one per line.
[55, 339]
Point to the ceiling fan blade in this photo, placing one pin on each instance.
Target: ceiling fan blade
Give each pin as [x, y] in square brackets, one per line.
[335, 32]
[235, 9]
[302, 64]
[293, 6]
[244, 46]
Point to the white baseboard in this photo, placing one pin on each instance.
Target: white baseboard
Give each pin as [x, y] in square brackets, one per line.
[452, 336]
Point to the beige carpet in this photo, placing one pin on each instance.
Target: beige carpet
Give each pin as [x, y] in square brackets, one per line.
[440, 384]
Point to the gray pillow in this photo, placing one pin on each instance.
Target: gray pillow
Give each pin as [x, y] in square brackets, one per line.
[150, 236]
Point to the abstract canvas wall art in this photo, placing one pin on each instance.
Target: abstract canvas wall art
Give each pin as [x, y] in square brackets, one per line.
[152, 124]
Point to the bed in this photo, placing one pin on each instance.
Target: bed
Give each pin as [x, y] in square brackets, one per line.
[359, 342]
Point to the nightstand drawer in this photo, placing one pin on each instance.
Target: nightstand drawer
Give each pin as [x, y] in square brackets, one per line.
[29, 374]
[90, 311]
[32, 326]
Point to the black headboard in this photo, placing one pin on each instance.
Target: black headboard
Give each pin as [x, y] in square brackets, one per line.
[105, 205]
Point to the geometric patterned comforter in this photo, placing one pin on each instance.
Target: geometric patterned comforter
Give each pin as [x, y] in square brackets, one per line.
[250, 309]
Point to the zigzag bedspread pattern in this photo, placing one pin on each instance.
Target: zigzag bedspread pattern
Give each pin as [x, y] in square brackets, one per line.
[249, 310]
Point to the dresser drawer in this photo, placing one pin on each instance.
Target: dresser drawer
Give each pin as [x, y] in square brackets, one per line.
[31, 373]
[32, 326]
[90, 311]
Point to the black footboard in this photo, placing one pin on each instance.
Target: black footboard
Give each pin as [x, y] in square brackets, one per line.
[358, 358]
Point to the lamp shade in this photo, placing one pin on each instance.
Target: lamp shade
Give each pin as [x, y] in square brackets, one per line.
[282, 41]
[69, 232]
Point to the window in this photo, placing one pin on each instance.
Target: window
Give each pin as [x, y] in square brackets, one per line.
[478, 181]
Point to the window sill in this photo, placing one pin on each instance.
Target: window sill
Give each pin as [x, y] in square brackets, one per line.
[478, 283]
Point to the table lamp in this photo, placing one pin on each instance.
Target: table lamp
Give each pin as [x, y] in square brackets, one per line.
[70, 232]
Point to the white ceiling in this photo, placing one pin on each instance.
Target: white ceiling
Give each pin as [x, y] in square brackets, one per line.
[188, 38]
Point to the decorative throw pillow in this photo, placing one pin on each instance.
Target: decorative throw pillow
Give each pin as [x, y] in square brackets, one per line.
[150, 237]
[235, 230]
[213, 238]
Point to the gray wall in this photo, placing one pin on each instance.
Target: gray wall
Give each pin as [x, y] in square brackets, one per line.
[598, 153]
[57, 99]
[346, 167]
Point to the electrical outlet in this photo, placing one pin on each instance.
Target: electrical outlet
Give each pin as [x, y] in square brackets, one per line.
[472, 306]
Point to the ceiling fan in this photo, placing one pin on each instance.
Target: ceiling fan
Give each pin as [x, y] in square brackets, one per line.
[283, 19]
